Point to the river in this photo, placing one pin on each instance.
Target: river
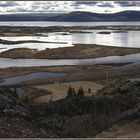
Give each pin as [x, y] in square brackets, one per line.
[8, 62]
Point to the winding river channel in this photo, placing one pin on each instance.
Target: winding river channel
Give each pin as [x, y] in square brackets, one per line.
[8, 62]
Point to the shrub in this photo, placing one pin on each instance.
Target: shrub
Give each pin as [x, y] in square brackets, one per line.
[80, 92]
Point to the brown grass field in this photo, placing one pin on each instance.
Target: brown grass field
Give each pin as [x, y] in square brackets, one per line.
[59, 91]
[78, 51]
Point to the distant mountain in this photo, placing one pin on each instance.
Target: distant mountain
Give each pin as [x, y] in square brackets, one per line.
[28, 17]
[88, 16]
[73, 16]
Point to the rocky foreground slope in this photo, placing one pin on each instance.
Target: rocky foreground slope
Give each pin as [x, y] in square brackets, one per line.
[72, 117]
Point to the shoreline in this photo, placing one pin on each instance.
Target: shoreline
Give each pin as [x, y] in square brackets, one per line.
[8, 42]
[34, 30]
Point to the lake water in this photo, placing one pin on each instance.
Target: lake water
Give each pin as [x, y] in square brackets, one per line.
[123, 39]
[47, 23]
[127, 39]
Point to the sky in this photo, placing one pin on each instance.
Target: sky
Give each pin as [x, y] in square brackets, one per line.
[67, 6]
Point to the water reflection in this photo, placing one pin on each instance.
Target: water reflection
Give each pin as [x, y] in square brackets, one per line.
[49, 23]
[38, 46]
[129, 39]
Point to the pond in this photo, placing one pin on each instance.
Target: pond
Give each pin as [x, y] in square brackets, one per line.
[31, 76]
[27, 77]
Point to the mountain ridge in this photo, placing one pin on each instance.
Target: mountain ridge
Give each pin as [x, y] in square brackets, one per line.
[78, 16]
[89, 16]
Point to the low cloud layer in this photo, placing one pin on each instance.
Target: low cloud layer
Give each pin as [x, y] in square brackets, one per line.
[67, 6]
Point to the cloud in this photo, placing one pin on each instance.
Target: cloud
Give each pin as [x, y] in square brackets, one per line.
[87, 2]
[7, 3]
[128, 3]
[105, 4]
[67, 6]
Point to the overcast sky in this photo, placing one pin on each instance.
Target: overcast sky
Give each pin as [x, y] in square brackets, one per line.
[67, 6]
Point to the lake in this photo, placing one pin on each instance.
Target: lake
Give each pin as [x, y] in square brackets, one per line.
[120, 39]
[49, 23]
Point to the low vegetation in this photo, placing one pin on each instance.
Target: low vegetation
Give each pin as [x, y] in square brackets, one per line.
[109, 113]
[72, 93]
[40, 94]
[78, 51]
